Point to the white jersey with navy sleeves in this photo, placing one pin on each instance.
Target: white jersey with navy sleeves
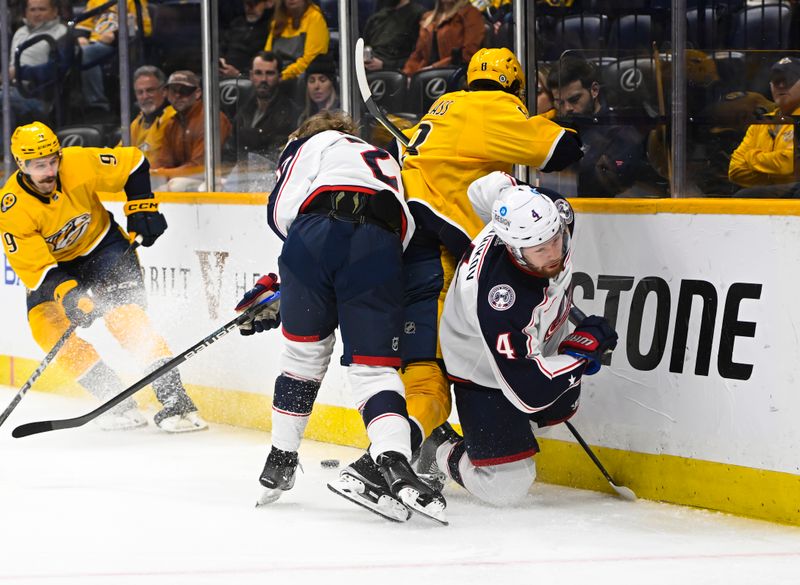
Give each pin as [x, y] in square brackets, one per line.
[502, 324]
[310, 166]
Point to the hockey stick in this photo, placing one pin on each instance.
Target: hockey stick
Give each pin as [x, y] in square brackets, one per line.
[576, 316]
[622, 491]
[69, 423]
[52, 353]
[369, 101]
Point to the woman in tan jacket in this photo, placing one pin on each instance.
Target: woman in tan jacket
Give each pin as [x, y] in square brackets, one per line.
[452, 24]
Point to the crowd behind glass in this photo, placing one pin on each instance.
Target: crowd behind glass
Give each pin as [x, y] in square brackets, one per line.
[602, 67]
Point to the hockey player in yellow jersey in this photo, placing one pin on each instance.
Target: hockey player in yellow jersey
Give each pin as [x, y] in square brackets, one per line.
[74, 261]
[465, 135]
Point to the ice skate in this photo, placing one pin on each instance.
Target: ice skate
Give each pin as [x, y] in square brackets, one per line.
[277, 476]
[124, 416]
[425, 464]
[361, 482]
[412, 491]
[179, 415]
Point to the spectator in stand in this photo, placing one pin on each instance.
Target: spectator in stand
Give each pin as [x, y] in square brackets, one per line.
[391, 33]
[448, 36]
[263, 124]
[41, 18]
[180, 159]
[614, 155]
[764, 163]
[298, 34]
[545, 105]
[321, 88]
[245, 37]
[98, 41]
[147, 128]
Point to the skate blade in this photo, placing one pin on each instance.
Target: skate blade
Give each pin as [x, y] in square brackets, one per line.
[384, 506]
[187, 423]
[268, 496]
[433, 510]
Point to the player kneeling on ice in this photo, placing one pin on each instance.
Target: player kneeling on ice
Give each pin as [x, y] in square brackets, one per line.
[505, 342]
[338, 206]
[76, 264]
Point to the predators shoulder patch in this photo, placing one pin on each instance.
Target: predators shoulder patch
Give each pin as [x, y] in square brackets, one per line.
[9, 199]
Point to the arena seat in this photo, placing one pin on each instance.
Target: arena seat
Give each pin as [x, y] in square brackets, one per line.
[81, 135]
[762, 27]
[232, 93]
[426, 87]
[388, 89]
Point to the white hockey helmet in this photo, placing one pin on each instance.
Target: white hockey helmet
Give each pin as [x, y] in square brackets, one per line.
[523, 217]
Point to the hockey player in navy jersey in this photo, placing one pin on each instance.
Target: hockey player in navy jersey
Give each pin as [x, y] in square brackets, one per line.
[338, 205]
[513, 364]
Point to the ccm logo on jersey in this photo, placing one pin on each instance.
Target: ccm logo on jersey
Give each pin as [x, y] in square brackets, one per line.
[70, 233]
[587, 341]
[141, 205]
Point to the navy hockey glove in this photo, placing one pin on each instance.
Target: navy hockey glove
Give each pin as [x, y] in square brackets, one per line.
[593, 338]
[144, 219]
[77, 304]
[266, 317]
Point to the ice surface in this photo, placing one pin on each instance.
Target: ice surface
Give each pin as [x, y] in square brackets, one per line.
[84, 506]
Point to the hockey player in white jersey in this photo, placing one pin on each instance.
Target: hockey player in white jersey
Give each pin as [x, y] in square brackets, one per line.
[338, 206]
[505, 342]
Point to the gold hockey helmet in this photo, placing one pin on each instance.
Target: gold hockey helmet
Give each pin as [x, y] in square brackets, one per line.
[499, 66]
[33, 140]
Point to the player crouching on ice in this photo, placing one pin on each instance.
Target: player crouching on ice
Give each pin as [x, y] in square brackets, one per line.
[505, 342]
[76, 264]
[338, 206]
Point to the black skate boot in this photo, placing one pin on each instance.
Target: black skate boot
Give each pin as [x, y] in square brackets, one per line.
[425, 463]
[363, 483]
[104, 383]
[179, 414]
[406, 485]
[278, 475]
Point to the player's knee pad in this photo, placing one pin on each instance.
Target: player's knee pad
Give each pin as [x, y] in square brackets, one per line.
[367, 381]
[306, 359]
[48, 323]
[427, 394]
[500, 485]
[132, 328]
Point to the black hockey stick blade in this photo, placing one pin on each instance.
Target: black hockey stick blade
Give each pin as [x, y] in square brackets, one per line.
[44, 426]
[622, 491]
[369, 101]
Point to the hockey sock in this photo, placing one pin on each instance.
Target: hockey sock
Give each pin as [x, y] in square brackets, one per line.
[387, 423]
[291, 407]
[101, 381]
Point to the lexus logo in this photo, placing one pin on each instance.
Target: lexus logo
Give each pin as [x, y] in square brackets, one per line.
[631, 79]
[229, 94]
[72, 140]
[435, 87]
[378, 89]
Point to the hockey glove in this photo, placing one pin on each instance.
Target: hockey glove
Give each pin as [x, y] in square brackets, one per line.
[144, 219]
[592, 339]
[268, 316]
[77, 304]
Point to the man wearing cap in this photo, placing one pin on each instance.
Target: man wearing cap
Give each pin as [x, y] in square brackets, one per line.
[764, 162]
[181, 158]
